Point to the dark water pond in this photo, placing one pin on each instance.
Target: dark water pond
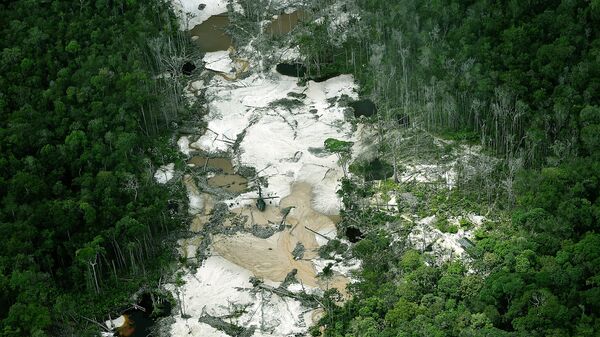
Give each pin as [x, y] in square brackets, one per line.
[324, 78]
[140, 323]
[188, 68]
[354, 234]
[364, 107]
[291, 69]
[373, 170]
[299, 70]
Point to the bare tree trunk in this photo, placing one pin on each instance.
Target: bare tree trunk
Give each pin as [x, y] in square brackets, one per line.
[93, 265]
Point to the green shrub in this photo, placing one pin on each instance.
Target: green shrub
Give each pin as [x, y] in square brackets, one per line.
[445, 227]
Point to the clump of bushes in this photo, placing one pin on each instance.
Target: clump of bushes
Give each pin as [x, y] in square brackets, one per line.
[445, 226]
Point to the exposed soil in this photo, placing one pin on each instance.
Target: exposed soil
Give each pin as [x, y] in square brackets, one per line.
[272, 258]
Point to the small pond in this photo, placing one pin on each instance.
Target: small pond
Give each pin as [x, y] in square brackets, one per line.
[325, 77]
[291, 69]
[354, 234]
[234, 183]
[299, 70]
[364, 107]
[375, 169]
[188, 68]
[226, 179]
[140, 320]
[210, 35]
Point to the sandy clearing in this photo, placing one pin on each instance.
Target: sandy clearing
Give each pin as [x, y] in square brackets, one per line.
[280, 134]
[165, 173]
[195, 199]
[271, 258]
[190, 14]
[279, 142]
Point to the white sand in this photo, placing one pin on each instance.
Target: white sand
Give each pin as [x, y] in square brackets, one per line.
[191, 327]
[184, 145]
[219, 287]
[218, 61]
[344, 268]
[329, 232]
[165, 173]
[278, 139]
[444, 245]
[190, 15]
[276, 142]
[115, 323]
[196, 201]
[476, 219]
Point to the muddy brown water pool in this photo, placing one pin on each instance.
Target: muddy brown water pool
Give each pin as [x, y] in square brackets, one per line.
[227, 179]
[210, 35]
[230, 182]
[223, 164]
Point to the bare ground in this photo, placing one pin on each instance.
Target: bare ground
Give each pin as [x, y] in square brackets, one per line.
[271, 258]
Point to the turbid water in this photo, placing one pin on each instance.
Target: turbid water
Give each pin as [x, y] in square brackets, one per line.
[137, 320]
[210, 35]
[219, 163]
[233, 183]
[226, 178]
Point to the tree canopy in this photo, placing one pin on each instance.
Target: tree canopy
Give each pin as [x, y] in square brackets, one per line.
[78, 135]
[522, 78]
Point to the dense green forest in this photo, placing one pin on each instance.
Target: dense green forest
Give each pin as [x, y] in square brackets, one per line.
[521, 78]
[81, 128]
